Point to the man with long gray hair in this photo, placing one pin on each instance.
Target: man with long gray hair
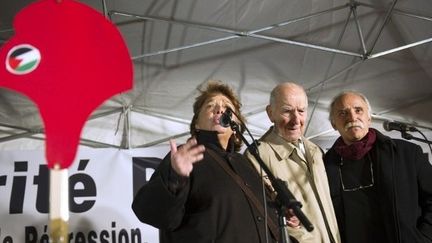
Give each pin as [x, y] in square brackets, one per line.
[381, 187]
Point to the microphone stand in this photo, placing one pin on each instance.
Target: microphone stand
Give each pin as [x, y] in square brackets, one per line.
[284, 198]
[408, 136]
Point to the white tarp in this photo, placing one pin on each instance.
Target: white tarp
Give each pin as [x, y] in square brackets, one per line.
[381, 48]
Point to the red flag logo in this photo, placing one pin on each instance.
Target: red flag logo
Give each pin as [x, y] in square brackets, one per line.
[22, 59]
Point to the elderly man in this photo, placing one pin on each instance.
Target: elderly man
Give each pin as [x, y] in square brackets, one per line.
[381, 187]
[296, 160]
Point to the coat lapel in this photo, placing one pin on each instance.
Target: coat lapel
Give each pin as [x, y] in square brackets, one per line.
[285, 150]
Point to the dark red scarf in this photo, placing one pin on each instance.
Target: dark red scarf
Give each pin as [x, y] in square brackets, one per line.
[358, 149]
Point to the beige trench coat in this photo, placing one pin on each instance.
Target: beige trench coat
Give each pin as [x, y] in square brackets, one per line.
[303, 174]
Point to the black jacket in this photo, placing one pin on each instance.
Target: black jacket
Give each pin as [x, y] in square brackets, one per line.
[210, 207]
[404, 189]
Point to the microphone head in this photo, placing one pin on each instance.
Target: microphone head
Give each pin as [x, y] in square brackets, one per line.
[398, 126]
[225, 119]
[386, 125]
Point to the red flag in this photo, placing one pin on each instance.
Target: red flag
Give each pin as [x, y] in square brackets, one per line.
[68, 59]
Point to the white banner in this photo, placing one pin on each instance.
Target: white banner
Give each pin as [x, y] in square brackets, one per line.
[102, 183]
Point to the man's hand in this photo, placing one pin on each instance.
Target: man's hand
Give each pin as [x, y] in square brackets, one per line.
[291, 219]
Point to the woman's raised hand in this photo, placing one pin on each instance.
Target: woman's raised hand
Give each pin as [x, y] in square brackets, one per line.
[183, 158]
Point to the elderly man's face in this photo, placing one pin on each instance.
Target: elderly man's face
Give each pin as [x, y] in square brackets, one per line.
[289, 113]
[351, 118]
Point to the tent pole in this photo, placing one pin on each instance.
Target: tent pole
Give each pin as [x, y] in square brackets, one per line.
[400, 48]
[104, 9]
[386, 19]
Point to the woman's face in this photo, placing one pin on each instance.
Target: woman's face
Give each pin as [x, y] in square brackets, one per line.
[210, 113]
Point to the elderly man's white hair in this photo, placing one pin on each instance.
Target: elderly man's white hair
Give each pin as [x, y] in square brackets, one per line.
[276, 90]
[342, 94]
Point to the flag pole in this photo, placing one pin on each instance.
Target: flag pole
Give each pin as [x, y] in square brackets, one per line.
[59, 204]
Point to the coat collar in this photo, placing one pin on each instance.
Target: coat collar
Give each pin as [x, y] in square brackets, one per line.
[285, 149]
[383, 138]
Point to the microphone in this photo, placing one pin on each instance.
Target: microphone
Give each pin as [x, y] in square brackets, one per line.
[225, 119]
[398, 126]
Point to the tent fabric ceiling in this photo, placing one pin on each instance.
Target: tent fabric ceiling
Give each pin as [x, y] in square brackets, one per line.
[381, 48]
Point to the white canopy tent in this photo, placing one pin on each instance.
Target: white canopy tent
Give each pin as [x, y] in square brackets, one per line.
[381, 48]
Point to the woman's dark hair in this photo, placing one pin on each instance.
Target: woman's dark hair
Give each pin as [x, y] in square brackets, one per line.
[215, 87]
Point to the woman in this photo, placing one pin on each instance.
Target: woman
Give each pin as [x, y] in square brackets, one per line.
[193, 196]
